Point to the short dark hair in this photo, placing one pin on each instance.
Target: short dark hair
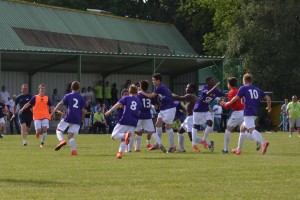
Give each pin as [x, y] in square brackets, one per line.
[75, 86]
[157, 76]
[144, 85]
[123, 91]
[208, 78]
[232, 81]
[193, 86]
[133, 89]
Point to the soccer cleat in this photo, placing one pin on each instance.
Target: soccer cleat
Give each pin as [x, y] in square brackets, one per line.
[149, 146]
[42, 145]
[203, 142]
[37, 135]
[180, 151]
[60, 145]
[119, 155]
[236, 151]
[154, 147]
[137, 150]
[25, 144]
[264, 147]
[212, 146]
[258, 146]
[224, 152]
[73, 153]
[162, 148]
[196, 149]
[172, 150]
[127, 138]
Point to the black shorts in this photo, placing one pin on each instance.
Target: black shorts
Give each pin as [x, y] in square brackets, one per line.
[25, 118]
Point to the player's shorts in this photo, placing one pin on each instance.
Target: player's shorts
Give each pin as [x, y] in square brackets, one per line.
[25, 119]
[122, 129]
[40, 123]
[187, 125]
[236, 118]
[145, 124]
[201, 117]
[249, 121]
[294, 121]
[167, 115]
[73, 128]
[2, 121]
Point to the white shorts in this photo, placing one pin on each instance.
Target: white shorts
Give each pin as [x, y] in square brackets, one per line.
[187, 125]
[122, 129]
[236, 118]
[249, 121]
[73, 128]
[2, 120]
[167, 115]
[40, 123]
[201, 117]
[146, 124]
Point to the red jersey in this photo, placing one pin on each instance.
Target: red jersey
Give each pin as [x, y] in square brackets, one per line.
[238, 105]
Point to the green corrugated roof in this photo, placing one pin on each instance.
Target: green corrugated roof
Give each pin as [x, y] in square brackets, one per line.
[66, 21]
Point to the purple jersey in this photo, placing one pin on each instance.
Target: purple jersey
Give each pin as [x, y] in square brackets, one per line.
[204, 100]
[146, 106]
[120, 113]
[74, 103]
[132, 108]
[252, 97]
[165, 97]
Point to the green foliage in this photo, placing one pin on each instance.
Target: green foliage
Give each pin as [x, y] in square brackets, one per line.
[34, 173]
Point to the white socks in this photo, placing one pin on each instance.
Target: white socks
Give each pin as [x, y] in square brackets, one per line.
[241, 141]
[131, 141]
[159, 131]
[171, 137]
[194, 136]
[226, 140]
[72, 144]
[138, 142]
[44, 138]
[157, 138]
[207, 131]
[122, 147]
[59, 135]
[180, 141]
[258, 137]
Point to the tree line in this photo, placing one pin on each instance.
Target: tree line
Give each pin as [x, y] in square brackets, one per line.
[264, 34]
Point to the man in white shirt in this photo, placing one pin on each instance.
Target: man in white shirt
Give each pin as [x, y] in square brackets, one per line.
[217, 109]
[10, 104]
[4, 94]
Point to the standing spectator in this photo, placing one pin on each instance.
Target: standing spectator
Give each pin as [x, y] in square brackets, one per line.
[11, 104]
[55, 97]
[89, 95]
[224, 117]
[4, 94]
[104, 108]
[83, 92]
[293, 112]
[88, 118]
[217, 109]
[99, 122]
[108, 93]
[3, 112]
[99, 92]
[114, 94]
[127, 84]
[284, 117]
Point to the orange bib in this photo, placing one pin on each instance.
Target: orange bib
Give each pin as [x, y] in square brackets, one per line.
[40, 108]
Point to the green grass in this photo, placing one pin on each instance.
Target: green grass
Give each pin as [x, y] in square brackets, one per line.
[34, 173]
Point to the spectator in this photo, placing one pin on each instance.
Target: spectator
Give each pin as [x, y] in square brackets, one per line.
[68, 90]
[107, 93]
[97, 107]
[114, 94]
[293, 112]
[3, 112]
[217, 109]
[104, 108]
[99, 122]
[284, 117]
[83, 92]
[88, 118]
[99, 92]
[11, 104]
[89, 95]
[112, 121]
[55, 97]
[4, 94]
[127, 84]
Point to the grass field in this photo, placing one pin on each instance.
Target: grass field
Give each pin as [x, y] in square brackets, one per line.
[34, 173]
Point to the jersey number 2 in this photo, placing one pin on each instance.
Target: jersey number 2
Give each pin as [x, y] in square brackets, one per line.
[75, 105]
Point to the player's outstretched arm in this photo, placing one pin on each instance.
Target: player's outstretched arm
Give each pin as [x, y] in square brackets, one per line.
[116, 106]
[234, 99]
[179, 98]
[150, 96]
[212, 89]
[24, 107]
[268, 99]
[53, 110]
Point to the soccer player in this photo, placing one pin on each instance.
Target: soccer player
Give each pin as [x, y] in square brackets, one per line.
[145, 119]
[75, 104]
[237, 115]
[166, 114]
[40, 105]
[128, 122]
[190, 98]
[3, 112]
[201, 113]
[25, 117]
[251, 95]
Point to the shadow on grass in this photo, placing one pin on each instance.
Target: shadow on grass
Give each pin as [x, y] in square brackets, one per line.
[33, 182]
